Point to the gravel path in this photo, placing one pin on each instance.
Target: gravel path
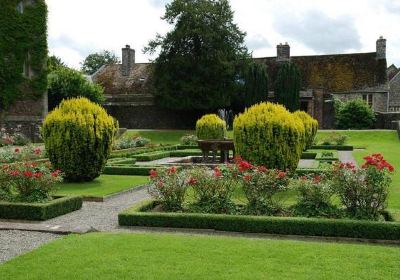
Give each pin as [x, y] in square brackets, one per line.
[14, 243]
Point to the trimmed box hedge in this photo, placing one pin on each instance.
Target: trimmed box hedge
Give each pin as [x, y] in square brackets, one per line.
[261, 224]
[186, 147]
[40, 211]
[130, 161]
[333, 147]
[132, 152]
[152, 156]
[185, 153]
[308, 155]
[131, 170]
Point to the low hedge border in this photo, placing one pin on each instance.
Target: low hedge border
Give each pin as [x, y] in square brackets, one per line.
[308, 155]
[142, 150]
[130, 161]
[40, 211]
[185, 153]
[186, 147]
[333, 147]
[256, 224]
[320, 157]
[152, 156]
[129, 170]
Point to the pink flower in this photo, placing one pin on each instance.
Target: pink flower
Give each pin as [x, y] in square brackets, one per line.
[37, 151]
[281, 174]
[247, 178]
[192, 181]
[217, 172]
[153, 174]
[172, 170]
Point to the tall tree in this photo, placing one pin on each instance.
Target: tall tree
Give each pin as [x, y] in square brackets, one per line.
[199, 58]
[94, 61]
[288, 83]
[54, 63]
[255, 84]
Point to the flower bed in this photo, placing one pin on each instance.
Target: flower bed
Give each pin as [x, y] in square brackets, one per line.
[40, 211]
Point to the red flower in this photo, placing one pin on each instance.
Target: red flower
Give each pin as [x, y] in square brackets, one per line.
[192, 181]
[172, 170]
[153, 174]
[262, 169]
[37, 151]
[303, 178]
[217, 172]
[14, 173]
[248, 178]
[38, 174]
[244, 166]
[28, 174]
[281, 174]
[16, 150]
[317, 179]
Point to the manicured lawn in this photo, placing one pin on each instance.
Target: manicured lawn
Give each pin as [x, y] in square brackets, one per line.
[161, 136]
[102, 186]
[385, 142]
[162, 256]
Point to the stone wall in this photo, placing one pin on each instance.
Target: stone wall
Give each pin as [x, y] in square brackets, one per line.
[380, 99]
[387, 120]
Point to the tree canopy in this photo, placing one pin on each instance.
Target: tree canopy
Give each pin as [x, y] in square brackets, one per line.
[199, 58]
[94, 61]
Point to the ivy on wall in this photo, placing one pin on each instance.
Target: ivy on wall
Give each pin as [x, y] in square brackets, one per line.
[23, 41]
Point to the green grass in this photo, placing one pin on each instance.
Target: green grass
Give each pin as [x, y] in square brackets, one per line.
[102, 186]
[162, 256]
[385, 142]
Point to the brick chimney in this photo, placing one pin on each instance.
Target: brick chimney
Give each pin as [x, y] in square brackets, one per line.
[128, 60]
[381, 48]
[283, 52]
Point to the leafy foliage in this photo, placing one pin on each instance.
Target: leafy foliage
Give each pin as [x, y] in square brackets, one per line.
[354, 114]
[288, 85]
[210, 127]
[23, 39]
[54, 63]
[267, 134]
[310, 125]
[67, 83]
[94, 61]
[198, 61]
[78, 136]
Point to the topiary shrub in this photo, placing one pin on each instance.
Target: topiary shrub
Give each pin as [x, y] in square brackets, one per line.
[267, 134]
[310, 125]
[210, 127]
[78, 136]
[354, 114]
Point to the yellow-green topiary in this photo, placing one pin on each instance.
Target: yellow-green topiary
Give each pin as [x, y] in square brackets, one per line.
[267, 134]
[78, 136]
[210, 127]
[310, 125]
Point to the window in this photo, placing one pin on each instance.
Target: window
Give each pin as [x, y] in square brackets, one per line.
[26, 70]
[369, 99]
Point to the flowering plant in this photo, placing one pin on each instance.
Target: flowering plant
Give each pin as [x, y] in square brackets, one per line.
[169, 187]
[260, 185]
[314, 196]
[10, 154]
[28, 181]
[363, 191]
[12, 138]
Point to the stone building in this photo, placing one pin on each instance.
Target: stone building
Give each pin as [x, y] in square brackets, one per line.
[129, 88]
[27, 113]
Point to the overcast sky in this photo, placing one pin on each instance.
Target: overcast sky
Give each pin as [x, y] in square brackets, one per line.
[80, 27]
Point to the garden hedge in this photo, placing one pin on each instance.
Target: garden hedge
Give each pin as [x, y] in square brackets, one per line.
[152, 156]
[185, 153]
[310, 125]
[187, 147]
[258, 224]
[125, 161]
[132, 152]
[267, 134]
[333, 147]
[40, 211]
[210, 127]
[308, 155]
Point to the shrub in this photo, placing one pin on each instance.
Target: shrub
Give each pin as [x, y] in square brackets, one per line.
[65, 83]
[334, 139]
[210, 127]
[355, 114]
[212, 189]
[310, 126]
[78, 136]
[189, 140]
[363, 191]
[314, 197]
[130, 142]
[169, 187]
[267, 134]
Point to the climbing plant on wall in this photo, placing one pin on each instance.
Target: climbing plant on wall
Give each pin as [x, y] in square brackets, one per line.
[23, 50]
[288, 84]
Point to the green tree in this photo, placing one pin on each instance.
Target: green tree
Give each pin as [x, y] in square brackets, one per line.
[199, 58]
[354, 114]
[255, 89]
[288, 83]
[54, 62]
[65, 83]
[94, 61]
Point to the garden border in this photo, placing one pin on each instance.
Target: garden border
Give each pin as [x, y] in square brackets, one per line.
[368, 230]
[40, 211]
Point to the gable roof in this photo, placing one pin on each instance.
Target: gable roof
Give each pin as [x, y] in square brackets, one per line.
[335, 72]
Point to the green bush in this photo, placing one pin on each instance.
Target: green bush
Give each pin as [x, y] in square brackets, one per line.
[40, 211]
[267, 134]
[263, 224]
[78, 136]
[189, 140]
[210, 127]
[128, 170]
[355, 114]
[64, 83]
[310, 126]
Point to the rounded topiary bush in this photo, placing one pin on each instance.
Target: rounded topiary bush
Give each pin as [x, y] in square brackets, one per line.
[310, 126]
[78, 136]
[210, 127]
[267, 134]
[354, 114]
